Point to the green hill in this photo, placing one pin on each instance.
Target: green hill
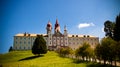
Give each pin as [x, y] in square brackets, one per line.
[27, 59]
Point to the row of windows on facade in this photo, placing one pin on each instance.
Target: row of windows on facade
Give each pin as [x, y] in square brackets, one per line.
[83, 36]
[82, 39]
[58, 38]
[77, 43]
[55, 38]
[58, 43]
[74, 39]
[22, 48]
[24, 38]
[22, 42]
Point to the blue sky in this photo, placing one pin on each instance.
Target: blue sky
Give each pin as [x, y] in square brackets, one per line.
[80, 17]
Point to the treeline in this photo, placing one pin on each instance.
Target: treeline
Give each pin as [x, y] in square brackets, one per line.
[108, 50]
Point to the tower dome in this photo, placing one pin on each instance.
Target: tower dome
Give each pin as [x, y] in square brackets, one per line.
[49, 27]
[49, 24]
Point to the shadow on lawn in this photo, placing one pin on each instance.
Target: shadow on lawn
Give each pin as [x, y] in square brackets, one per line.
[31, 57]
[91, 64]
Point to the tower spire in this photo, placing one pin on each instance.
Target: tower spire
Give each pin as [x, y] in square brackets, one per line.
[56, 19]
[65, 27]
[57, 26]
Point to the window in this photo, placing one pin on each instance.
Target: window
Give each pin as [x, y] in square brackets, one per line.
[28, 47]
[20, 42]
[72, 35]
[84, 36]
[28, 42]
[24, 47]
[76, 35]
[28, 34]
[19, 47]
[24, 42]
[16, 42]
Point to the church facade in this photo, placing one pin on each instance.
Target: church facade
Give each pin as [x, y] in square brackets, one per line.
[54, 40]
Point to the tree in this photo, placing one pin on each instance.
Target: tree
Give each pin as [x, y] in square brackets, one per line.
[108, 28]
[113, 51]
[117, 29]
[39, 46]
[84, 51]
[118, 50]
[112, 30]
[10, 49]
[90, 53]
[98, 52]
[107, 50]
[64, 51]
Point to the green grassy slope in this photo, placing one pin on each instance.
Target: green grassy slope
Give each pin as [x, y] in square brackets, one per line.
[27, 59]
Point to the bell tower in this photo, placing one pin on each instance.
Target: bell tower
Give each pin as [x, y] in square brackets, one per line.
[49, 27]
[49, 34]
[65, 36]
[65, 31]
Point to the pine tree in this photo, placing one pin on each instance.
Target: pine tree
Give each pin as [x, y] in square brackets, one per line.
[39, 46]
[108, 28]
[117, 29]
[10, 49]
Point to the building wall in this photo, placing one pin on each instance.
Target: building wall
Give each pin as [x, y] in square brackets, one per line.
[75, 42]
[26, 42]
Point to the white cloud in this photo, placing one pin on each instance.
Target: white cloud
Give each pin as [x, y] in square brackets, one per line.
[83, 25]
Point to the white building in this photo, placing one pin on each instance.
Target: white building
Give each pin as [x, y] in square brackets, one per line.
[25, 41]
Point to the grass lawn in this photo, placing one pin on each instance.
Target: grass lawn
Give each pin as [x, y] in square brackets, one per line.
[51, 59]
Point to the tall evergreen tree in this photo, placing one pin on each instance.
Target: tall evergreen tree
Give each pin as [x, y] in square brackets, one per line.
[39, 45]
[11, 48]
[108, 28]
[117, 29]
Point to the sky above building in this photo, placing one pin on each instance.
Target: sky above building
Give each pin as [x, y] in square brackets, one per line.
[31, 16]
